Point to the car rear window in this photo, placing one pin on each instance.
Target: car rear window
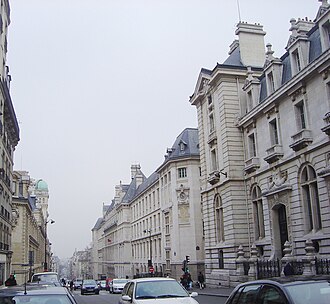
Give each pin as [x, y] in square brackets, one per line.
[37, 299]
[45, 278]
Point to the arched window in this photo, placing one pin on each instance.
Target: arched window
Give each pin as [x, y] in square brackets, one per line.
[258, 213]
[310, 198]
[219, 219]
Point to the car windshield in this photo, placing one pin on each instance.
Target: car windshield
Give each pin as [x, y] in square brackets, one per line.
[310, 292]
[89, 282]
[45, 278]
[159, 289]
[36, 299]
[119, 281]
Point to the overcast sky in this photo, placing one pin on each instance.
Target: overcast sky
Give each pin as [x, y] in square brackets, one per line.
[100, 85]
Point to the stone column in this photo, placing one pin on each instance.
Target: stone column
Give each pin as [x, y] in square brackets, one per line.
[240, 261]
[287, 258]
[253, 263]
[309, 259]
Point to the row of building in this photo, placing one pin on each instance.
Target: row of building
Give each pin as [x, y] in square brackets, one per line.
[251, 183]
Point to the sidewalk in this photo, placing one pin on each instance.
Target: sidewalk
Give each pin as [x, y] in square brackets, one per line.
[217, 292]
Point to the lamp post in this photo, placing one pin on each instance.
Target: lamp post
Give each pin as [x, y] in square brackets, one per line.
[150, 244]
[46, 242]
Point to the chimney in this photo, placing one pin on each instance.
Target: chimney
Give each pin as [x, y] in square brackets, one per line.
[251, 44]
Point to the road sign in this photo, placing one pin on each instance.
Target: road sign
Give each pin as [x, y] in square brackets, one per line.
[151, 269]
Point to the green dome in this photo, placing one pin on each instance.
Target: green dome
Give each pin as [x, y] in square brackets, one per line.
[41, 185]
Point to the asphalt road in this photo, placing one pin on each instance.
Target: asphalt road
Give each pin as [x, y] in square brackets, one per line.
[106, 298]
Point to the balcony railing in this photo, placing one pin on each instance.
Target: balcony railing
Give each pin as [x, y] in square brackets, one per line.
[301, 139]
[274, 153]
[252, 164]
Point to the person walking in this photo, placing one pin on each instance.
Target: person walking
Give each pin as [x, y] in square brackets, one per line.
[201, 280]
[11, 281]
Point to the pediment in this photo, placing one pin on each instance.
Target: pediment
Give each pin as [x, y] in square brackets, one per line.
[202, 83]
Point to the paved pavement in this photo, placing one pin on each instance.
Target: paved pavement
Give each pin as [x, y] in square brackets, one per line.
[218, 292]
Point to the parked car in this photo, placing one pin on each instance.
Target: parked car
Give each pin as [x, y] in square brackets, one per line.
[77, 284]
[36, 293]
[117, 285]
[288, 290]
[46, 277]
[89, 286]
[152, 290]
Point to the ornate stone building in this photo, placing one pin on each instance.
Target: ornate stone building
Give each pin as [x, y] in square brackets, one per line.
[265, 153]
[9, 133]
[154, 222]
[30, 244]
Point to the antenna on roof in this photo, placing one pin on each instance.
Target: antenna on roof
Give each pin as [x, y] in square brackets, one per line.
[239, 11]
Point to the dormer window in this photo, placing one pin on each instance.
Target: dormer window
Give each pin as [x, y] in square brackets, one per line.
[182, 146]
[270, 83]
[249, 100]
[296, 60]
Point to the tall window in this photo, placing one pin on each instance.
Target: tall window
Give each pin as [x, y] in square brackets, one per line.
[297, 61]
[252, 145]
[273, 132]
[167, 223]
[270, 84]
[221, 260]
[214, 160]
[249, 101]
[310, 198]
[182, 172]
[211, 122]
[219, 219]
[258, 213]
[300, 115]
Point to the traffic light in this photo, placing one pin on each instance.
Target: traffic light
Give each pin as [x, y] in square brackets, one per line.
[187, 258]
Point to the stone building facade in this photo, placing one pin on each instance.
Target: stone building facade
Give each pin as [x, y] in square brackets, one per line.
[153, 223]
[30, 244]
[9, 133]
[264, 143]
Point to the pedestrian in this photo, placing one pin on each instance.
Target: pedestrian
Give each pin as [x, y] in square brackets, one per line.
[201, 280]
[71, 285]
[11, 281]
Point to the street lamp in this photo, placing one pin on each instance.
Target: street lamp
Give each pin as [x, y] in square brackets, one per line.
[46, 241]
[150, 244]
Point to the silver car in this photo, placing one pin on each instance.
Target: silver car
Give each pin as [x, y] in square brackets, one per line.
[117, 285]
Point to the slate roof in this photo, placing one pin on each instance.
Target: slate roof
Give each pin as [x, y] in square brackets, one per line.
[98, 223]
[189, 139]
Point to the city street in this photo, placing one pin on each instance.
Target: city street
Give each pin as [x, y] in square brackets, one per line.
[106, 298]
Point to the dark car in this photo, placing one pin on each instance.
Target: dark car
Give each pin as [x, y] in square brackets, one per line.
[89, 286]
[288, 290]
[77, 284]
[36, 293]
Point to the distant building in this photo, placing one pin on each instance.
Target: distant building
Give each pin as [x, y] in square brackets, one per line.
[265, 154]
[153, 223]
[9, 133]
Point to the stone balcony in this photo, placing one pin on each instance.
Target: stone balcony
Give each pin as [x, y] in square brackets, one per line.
[301, 139]
[326, 120]
[274, 153]
[252, 164]
[214, 177]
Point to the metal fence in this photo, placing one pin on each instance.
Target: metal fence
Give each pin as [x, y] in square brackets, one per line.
[322, 266]
[268, 269]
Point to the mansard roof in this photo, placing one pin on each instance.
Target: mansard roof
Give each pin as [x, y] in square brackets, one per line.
[147, 183]
[185, 145]
[98, 223]
[315, 50]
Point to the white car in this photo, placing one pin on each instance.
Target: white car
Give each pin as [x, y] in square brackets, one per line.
[45, 277]
[117, 285]
[156, 290]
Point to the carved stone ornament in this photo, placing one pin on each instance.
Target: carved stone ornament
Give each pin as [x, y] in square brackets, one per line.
[15, 216]
[277, 183]
[182, 194]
